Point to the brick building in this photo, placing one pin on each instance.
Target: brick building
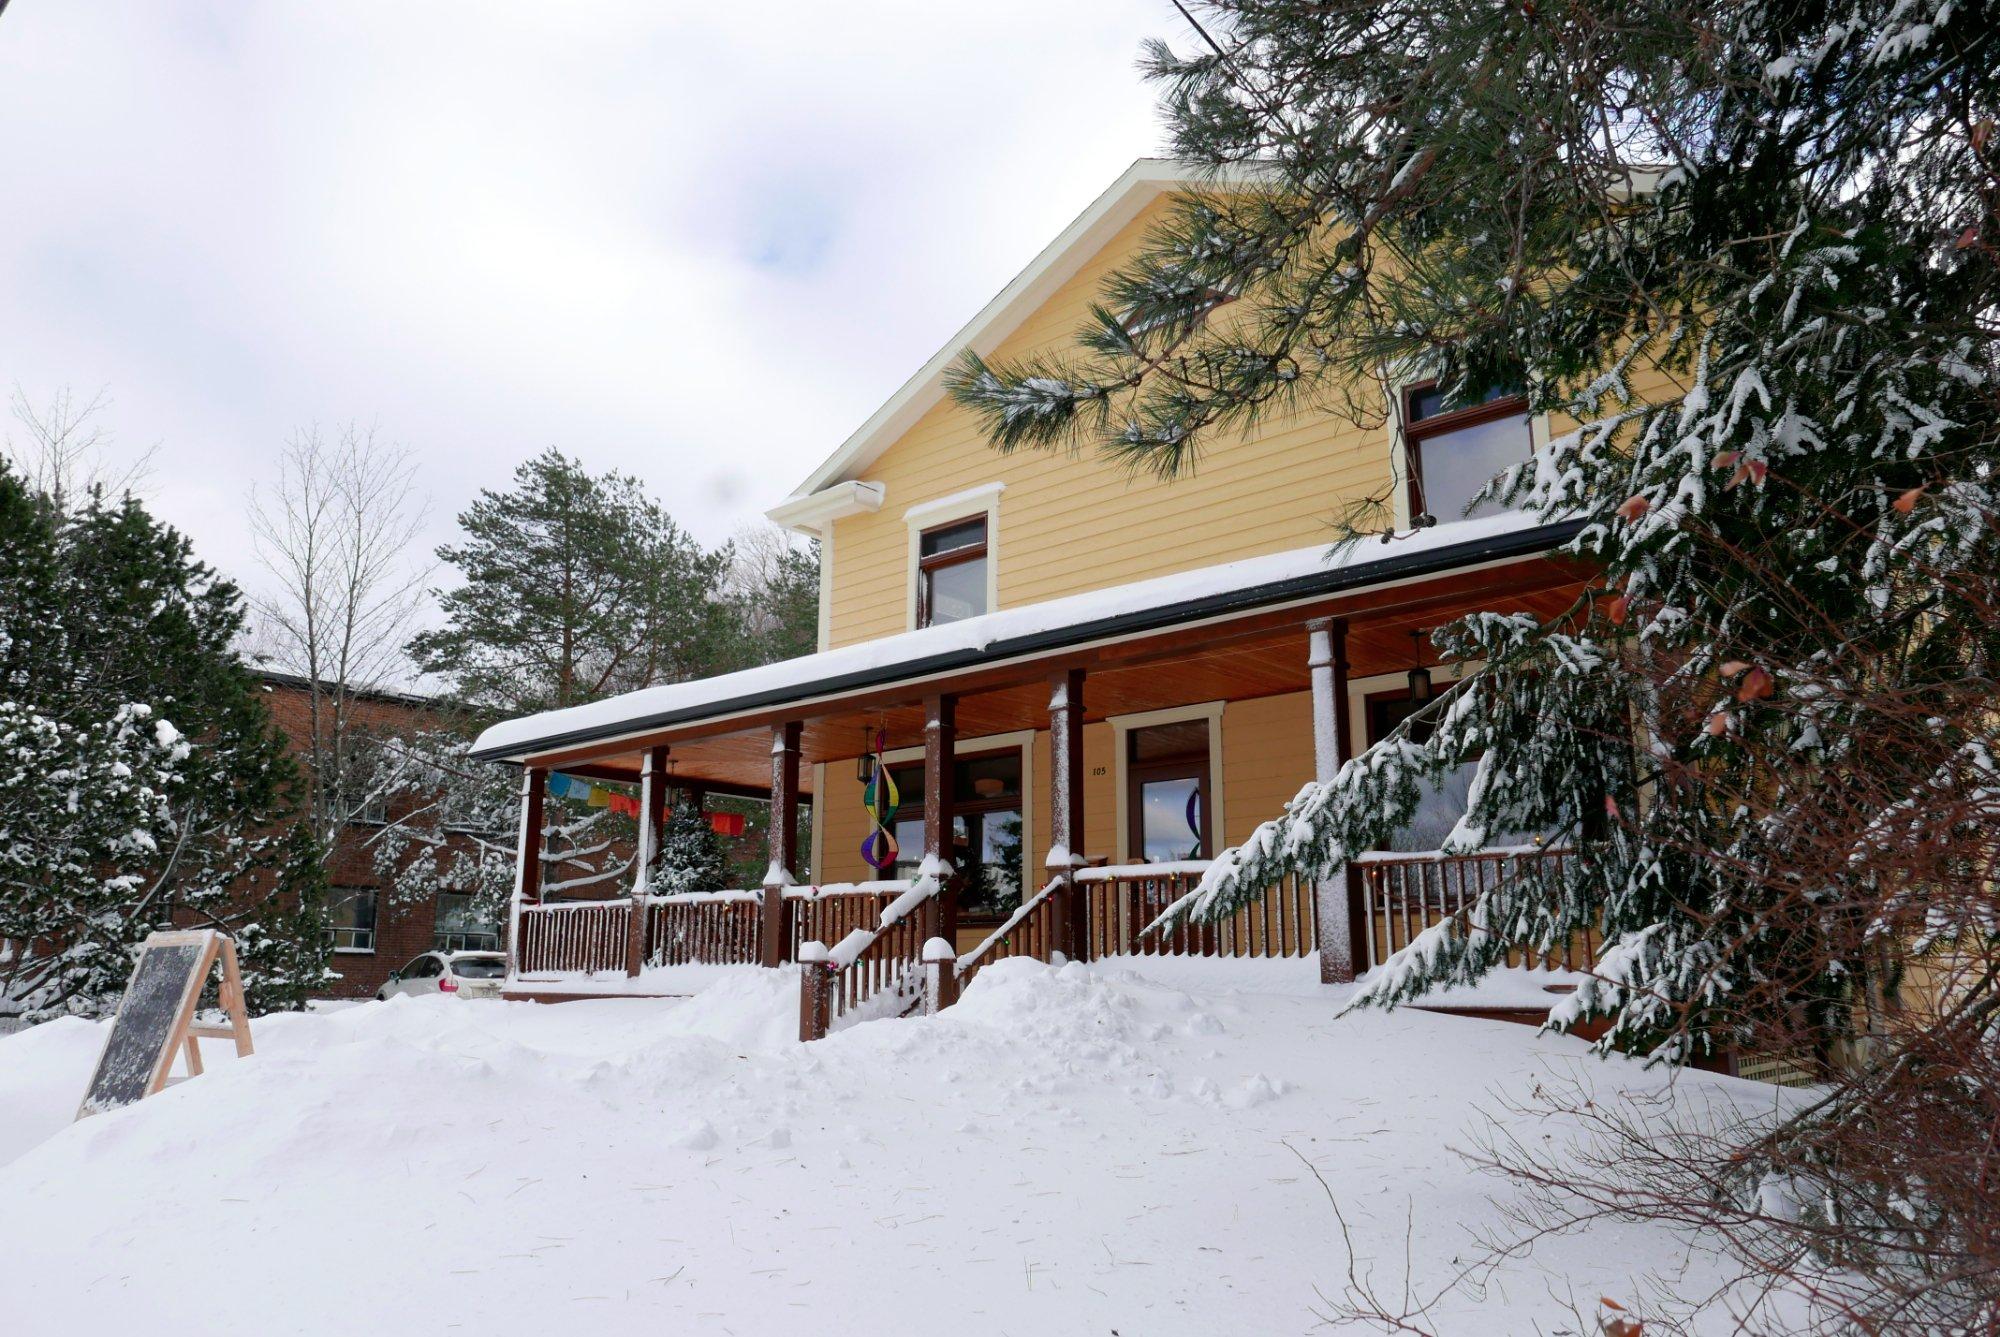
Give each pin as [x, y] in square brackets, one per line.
[373, 932]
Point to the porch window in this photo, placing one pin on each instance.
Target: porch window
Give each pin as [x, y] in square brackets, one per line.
[1167, 795]
[951, 572]
[1455, 452]
[351, 919]
[1442, 803]
[459, 927]
[986, 832]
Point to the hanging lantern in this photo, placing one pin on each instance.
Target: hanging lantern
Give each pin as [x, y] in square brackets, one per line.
[864, 766]
[1420, 677]
[881, 800]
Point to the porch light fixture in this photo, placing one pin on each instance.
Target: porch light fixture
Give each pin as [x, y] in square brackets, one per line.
[1420, 677]
[864, 769]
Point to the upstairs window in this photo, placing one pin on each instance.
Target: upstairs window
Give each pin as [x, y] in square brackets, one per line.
[1455, 452]
[951, 572]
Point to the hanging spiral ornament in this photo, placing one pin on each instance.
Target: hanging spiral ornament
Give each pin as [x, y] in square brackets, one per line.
[881, 800]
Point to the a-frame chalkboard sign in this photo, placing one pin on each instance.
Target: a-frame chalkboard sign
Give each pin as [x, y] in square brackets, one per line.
[156, 1017]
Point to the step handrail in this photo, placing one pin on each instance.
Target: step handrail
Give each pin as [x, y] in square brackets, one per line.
[973, 959]
[833, 979]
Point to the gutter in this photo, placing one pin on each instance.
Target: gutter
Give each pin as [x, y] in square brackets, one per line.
[1519, 543]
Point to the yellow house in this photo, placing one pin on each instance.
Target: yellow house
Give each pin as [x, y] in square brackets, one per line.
[1082, 683]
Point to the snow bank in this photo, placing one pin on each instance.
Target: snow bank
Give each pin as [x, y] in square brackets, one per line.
[1074, 1149]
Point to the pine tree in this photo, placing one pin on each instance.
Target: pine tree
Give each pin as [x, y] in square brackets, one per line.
[1788, 210]
[691, 855]
[145, 784]
[575, 586]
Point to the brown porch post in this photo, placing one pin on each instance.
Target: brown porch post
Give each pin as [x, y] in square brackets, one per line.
[784, 840]
[528, 861]
[940, 742]
[652, 800]
[1327, 658]
[1066, 810]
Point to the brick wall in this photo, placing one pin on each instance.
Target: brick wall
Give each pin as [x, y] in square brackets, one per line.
[402, 931]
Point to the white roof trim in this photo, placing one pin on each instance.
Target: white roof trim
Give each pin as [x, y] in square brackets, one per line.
[958, 503]
[1058, 262]
[810, 515]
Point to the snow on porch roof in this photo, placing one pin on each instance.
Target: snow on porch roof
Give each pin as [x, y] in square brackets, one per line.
[1078, 619]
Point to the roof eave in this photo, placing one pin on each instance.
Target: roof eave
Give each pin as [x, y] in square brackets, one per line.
[1423, 562]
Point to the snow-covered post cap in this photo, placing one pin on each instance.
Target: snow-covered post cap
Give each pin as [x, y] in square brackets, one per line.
[1060, 858]
[940, 976]
[933, 866]
[812, 953]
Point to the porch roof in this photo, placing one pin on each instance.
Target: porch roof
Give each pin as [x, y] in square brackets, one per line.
[1256, 584]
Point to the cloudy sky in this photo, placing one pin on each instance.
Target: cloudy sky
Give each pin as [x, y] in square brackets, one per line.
[696, 242]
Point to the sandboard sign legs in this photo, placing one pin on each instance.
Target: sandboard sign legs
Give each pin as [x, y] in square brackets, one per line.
[156, 1017]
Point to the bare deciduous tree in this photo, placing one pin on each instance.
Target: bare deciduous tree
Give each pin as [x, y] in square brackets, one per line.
[63, 453]
[336, 532]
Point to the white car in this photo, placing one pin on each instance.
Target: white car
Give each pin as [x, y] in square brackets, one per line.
[464, 974]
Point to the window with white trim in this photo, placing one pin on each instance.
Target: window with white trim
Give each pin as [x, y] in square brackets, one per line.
[952, 571]
[351, 919]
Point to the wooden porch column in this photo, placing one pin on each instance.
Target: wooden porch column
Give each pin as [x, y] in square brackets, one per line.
[940, 743]
[775, 930]
[528, 860]
[1332, 901]
[652, 802]
[1066, 810]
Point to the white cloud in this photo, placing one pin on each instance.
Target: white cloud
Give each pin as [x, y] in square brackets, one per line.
[698, 245]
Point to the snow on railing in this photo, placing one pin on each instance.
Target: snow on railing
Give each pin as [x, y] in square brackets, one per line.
[732, 897]
[867, 961]
[1120, 871]
[999, 943]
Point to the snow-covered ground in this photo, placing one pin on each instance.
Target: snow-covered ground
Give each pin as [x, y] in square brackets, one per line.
[1077, 1150]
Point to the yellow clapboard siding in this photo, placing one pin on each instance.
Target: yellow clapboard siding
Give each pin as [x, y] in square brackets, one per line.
[1267, 754]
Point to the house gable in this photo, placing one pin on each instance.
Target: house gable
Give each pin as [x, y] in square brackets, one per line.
[1062, 523]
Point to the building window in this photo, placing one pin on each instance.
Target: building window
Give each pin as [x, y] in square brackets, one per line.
[1441, 802]
[351, 911]
[1167, 799]
[1455, 452]
[459, 927]
[987, 832]
[952, 572]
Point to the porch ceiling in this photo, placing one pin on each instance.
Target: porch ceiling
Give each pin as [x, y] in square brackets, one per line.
[1235, 660]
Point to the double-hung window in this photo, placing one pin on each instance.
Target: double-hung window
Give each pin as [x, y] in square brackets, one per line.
[1454, 452]
[952, 571]
[351, 919]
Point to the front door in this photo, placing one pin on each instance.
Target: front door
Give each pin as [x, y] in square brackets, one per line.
[1169, 817]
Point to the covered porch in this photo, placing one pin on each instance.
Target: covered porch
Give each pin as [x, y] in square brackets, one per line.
[1065, 771]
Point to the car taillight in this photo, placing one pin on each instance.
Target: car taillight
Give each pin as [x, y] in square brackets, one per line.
[447, 985]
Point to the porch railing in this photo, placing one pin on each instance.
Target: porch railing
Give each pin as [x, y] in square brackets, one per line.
[1124, 900]
[1033, 930]
[574, 936]
[1404, 894]
[868, 964]
[877, 942]
[702, 927]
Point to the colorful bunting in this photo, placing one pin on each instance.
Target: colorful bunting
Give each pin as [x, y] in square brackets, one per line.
[626, 805]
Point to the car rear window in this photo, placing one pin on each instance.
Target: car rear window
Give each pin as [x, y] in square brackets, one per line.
[478, 969]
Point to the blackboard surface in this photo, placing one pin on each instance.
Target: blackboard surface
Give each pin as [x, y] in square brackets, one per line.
[169, 973]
